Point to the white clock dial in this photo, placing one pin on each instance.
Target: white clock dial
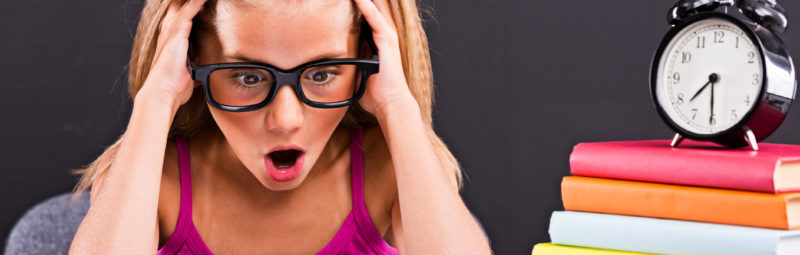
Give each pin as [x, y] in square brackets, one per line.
[709, 76]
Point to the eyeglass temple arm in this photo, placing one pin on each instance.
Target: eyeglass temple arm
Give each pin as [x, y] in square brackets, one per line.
[192, 66]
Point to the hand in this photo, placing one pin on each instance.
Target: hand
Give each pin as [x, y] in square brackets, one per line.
[169, 74]
[389, 87]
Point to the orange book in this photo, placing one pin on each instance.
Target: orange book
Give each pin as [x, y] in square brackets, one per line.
[744, 208]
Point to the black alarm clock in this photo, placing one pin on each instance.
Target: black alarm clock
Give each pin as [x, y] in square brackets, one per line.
[723, 77]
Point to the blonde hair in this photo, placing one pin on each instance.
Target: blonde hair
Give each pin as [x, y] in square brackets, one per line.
[194, 117]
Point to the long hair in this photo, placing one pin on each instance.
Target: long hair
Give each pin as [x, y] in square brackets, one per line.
[194, 117]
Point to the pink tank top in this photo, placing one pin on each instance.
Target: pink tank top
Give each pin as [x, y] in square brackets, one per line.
[356, 236]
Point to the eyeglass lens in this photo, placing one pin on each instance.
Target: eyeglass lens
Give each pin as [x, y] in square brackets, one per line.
[249, 86]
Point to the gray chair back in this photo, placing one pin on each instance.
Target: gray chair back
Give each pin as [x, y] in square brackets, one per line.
[48, 227]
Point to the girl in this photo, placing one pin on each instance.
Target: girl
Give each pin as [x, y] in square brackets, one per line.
[219, 156]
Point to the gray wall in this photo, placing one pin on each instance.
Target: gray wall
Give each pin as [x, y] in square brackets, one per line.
[519, 83]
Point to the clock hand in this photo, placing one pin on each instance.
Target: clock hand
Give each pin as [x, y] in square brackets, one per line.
[711, 117]
[698, 92]
[713, 78]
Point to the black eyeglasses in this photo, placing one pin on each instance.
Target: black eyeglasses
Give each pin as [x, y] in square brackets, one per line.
[241, 87]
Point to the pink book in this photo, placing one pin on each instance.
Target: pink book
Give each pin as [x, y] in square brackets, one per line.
[774, 168]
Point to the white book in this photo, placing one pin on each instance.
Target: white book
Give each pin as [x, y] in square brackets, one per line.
[663, 236]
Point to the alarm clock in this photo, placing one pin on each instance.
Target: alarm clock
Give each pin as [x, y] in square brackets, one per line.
[723, 77]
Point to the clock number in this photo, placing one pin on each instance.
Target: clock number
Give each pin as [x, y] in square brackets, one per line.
[751, 57]
[747, 101]
[676, 78]
[756, 79]
[737, 42]
[718, 36]
[694, 113]
[680, 98]
[701, 42]
[686, 57]
[734, 116]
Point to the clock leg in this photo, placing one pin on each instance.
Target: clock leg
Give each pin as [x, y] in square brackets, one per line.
[750, 138]
[676, 140]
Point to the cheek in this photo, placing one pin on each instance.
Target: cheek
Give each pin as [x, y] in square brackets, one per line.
[244, 133]
[329, 118]
[237, 124]
[320, 123]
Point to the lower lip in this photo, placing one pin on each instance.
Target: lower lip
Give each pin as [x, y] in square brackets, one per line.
[283, 174]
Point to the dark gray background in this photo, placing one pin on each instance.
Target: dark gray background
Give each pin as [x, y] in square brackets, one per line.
[519, 83]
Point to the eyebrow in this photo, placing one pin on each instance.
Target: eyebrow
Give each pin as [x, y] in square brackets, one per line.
[327, 55]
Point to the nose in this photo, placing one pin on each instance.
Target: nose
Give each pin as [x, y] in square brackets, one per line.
[285, 112]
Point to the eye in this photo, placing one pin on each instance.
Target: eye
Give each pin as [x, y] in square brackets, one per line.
[321, 76]
[249, 79]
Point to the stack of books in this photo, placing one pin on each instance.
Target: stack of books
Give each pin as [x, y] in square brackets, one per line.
[638, 197]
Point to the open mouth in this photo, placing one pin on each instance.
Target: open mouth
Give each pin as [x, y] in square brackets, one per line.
[283, 159]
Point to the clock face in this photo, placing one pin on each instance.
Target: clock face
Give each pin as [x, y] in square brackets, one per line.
[709, 76]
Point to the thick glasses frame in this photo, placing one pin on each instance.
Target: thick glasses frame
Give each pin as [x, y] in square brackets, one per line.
[285, 77]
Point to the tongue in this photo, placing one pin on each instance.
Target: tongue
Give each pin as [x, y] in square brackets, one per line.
[284, 158]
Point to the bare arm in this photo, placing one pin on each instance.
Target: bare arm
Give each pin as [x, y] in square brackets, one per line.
[122, 218]
[434, 218]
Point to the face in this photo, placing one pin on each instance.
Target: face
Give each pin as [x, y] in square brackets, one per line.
[709, 77]
[280, 143]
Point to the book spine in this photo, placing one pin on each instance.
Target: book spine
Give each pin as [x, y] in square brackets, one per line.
[552, 249]
[661, 236]
[679, 166]
[675, 202]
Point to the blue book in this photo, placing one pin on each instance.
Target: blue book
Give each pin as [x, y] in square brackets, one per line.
[662, 236]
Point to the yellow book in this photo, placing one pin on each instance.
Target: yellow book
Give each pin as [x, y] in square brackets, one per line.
[552, 249]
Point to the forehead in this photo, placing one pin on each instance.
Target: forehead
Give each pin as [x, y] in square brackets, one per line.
[285, 33]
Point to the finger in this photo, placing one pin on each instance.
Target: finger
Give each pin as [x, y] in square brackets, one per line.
[187, 13]
[176, 16]
[385, 36]
[180, 26]
[386, 12]
[374, 17]
[172, 9]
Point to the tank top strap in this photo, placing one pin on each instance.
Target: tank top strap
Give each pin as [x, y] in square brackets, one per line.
[184, 164]
[360, 213]
[185, 239]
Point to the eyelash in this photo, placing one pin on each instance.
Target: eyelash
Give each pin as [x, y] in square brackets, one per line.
[333, 76]
[238, 77]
